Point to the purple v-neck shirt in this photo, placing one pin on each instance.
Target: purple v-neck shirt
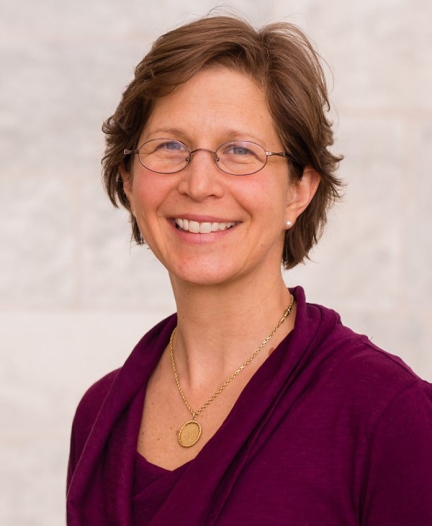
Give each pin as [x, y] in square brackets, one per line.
[330, 430]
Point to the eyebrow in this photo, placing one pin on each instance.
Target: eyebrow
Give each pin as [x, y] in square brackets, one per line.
[227, 134]
[170, 131]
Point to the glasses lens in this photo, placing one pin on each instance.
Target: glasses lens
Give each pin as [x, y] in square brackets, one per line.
[241, 157]
[164, 156]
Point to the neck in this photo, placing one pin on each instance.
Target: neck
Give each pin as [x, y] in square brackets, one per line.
[219, 327]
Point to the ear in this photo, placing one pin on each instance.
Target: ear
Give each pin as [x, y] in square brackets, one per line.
[301, 193]
[127, 185]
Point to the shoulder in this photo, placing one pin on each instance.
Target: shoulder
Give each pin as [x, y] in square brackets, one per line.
[367, 365]
[355, 352]
[363, 359]
[93, 398]
[333, 345]
[354, 371]
[89, 406]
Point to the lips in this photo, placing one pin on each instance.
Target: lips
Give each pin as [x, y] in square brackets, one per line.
[205, 227]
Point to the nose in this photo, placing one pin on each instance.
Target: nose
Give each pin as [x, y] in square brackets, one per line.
[202, 177]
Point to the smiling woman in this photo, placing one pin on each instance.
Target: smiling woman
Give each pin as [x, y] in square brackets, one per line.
[248, 210]
[219, 149]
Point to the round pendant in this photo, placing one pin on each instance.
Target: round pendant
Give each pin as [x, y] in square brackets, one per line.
[189, 434]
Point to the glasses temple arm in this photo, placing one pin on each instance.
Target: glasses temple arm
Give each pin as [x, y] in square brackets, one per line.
[128, 152]
[282, 154]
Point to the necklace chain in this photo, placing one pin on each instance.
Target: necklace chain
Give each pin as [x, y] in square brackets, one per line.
[234, 374]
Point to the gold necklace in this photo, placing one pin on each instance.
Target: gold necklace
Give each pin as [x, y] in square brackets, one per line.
[191, 430]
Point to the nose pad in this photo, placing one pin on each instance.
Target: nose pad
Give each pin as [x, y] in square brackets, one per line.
[200, 181]
[214, 155]
[203, 150]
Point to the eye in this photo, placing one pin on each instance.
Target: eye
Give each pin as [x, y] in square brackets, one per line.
[242, 152]
[172, 146]
[236, 149]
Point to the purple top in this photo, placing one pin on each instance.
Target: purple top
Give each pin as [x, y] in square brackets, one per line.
[330, 430]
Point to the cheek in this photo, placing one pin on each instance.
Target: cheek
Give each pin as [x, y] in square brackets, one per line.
[268, 197]
[148, 192]
[153, 198]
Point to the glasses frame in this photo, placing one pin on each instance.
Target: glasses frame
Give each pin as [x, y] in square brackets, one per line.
[268, 154]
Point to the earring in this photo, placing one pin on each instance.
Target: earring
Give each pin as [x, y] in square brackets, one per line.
[288, 224]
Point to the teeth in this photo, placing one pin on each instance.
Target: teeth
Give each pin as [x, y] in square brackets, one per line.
[194, 227]
[205, 228]
[202, 228]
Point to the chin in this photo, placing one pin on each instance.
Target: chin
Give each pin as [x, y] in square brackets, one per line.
[205, 279]
[210, 275]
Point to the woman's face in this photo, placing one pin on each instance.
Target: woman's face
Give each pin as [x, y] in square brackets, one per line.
[247, 213]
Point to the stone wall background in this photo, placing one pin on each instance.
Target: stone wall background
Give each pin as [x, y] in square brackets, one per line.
[75, 296]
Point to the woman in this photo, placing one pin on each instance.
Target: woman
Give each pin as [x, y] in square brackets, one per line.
[249, 406]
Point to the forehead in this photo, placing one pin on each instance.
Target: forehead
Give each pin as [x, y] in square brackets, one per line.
[216, 101]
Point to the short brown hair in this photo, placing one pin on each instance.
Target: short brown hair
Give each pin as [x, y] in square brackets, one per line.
[281, 60]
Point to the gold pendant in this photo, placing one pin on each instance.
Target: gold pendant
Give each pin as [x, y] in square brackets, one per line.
[189, 434]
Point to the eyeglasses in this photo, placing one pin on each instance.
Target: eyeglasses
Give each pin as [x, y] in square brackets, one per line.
[168, 156]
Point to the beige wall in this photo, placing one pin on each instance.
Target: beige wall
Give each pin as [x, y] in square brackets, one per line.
[75, 297]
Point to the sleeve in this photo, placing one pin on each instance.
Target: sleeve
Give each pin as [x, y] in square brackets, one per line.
[399, 465]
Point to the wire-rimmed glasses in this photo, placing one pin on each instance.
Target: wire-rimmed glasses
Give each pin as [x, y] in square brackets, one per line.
[169, 156]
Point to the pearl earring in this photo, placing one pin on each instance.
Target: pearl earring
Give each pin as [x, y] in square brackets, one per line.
[288, 224]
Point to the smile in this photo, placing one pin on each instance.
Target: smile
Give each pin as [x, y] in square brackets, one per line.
[201, 228]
